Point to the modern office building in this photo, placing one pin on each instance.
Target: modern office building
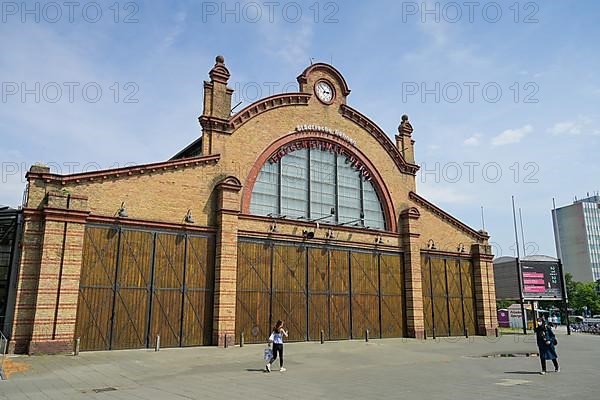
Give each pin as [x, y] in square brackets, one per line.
[577, 237]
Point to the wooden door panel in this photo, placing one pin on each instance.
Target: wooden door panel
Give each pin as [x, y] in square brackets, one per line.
[197, 318]
[94, 318]
[253, 297]
[131, 318]
[168, 282]
[290, 307]
[318, 271]
[440, 306]
[339, 272]
[318, 309]
[392, 316]
[199, 289]
[339, 317]
[96, 290]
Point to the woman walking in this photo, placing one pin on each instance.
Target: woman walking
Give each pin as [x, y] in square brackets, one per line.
[277, 339]
[546, 340]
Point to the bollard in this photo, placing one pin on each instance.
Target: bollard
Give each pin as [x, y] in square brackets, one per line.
[157, 348]
[366, 335]
[225, 344]
[77, 344]
[242, 339]
[322, 336]
[496, 331]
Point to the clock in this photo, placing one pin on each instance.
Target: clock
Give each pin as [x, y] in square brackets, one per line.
[324, 91]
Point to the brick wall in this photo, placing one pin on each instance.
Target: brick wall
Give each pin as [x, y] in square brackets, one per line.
[164, 194]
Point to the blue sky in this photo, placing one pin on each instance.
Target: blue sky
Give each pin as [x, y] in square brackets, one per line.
[541, 134]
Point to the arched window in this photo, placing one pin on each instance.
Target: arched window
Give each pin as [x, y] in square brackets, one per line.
[308, 183]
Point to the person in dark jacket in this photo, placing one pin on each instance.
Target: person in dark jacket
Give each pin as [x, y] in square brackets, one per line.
[546, 342]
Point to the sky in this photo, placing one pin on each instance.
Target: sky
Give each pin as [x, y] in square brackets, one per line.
[503, 96]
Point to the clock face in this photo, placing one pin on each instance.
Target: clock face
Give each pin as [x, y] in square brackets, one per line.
[324, 92]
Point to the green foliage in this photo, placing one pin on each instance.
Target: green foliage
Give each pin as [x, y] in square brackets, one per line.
[503, 304]
[583, 294]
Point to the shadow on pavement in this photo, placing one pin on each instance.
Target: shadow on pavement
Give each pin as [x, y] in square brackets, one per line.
[522, 372]
[255, 370]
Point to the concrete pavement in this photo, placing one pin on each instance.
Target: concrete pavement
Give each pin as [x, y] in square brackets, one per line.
[447, 368]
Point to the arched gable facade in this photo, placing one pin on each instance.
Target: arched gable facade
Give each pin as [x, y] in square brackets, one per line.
[183, 235]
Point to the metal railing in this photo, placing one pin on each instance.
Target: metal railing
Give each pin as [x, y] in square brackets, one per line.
[3, 351]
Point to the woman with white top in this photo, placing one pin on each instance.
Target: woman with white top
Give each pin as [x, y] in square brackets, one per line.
[277, 339]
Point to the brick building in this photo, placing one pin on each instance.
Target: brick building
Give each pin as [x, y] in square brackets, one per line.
[297, 207]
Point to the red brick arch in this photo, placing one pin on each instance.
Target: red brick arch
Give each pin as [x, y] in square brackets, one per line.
[378, 182]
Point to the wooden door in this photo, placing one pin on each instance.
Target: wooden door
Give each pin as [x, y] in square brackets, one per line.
[427, 294]
[392, 295]
[288, 302]
[252, 316]
[198, 291]
[318, 293]
[339, 297]
[440, 297]
[131, 315]
[455, 301]
[167, 287]
[466, 270]
[365, 294]
[96, 290]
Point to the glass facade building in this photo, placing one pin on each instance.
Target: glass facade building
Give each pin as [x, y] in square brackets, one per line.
[577, 237]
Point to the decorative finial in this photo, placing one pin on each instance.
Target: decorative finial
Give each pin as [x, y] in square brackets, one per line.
[219, 73]
[405, 127]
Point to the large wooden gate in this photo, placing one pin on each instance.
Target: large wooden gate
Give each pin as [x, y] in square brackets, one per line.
[339, 291]
[137, 284]
[448, 296]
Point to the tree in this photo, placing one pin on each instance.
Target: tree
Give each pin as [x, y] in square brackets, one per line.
[582, 294]
[503, 303]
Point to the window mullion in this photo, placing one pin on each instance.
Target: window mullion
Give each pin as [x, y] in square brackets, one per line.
[336, 199]
[279, 166]
[309, 175]
[362, 200]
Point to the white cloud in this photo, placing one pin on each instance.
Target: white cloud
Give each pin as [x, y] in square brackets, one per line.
[444, 194]
[176, 30]
[510, 136]
[291, 45]
[474, 140]
[573, 127]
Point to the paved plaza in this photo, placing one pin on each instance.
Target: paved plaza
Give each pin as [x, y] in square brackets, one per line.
[390, 368]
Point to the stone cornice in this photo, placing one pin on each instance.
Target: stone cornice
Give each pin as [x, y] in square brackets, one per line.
[323, 225]
[412, 213]
[215, 124]
[383, 139]
[441, 253]
[446, 217]
[266, 104]
[230, 183]
[106, 220]
[124, 171]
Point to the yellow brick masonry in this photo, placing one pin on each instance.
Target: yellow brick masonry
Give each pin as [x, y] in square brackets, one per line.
[226, 262]
[409, 227]
[48, 282]
[165, 195]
